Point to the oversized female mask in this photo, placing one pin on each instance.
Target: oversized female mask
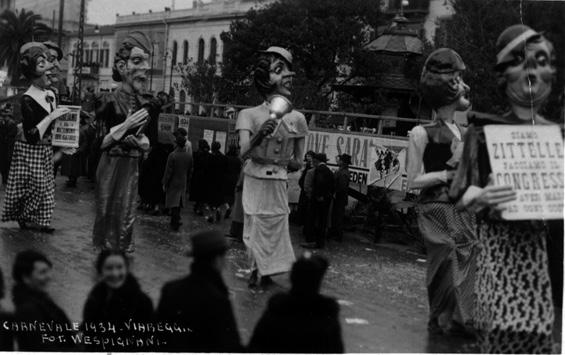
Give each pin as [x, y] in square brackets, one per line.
[441, 83]
[525, 66]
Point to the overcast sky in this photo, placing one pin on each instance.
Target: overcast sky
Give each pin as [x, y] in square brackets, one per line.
[103, 12]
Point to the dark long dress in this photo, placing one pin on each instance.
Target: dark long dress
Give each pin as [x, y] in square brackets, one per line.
[514, 311]
[118, 307]
[217, 179]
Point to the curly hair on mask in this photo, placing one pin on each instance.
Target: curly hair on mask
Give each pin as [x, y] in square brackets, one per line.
[28, 62]
[122, 54]
[262, 72]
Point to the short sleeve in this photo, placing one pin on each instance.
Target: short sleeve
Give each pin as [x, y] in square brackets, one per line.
[418, 139]
[244, 122]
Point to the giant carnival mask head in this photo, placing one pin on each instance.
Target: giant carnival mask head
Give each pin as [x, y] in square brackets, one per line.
[273, 72]
[34, 64]
[441, 82]
[131, 62]
[54, 56]
[525, 66]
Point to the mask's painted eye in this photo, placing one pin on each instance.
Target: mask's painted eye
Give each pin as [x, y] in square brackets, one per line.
[542, 59]
[518, 59]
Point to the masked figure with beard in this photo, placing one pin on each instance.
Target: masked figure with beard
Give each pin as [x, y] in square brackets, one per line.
[30, 195]
[514, 308]
[264, 197]
[124, 116]
[432, 158]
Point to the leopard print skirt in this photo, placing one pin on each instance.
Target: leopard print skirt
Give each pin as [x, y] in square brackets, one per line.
[514, 311]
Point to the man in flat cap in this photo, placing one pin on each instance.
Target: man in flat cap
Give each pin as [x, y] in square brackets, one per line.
[200, 301]
[341, 177]
[268, 158]
[124, 117]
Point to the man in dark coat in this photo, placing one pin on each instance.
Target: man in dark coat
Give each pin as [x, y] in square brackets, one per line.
[8, 133]
[341, 197]
[179, 166]
[6, 336]
[218, 181]
[322, 194]
[302, 320]
[201, 301]
[200, 184]
[32, 274]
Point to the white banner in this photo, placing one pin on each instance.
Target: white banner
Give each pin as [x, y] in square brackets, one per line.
[530, 159]
[376, 161]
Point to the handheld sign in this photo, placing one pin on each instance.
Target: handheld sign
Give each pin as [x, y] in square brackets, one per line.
[166, 127]
[530, 159]
[66, 128]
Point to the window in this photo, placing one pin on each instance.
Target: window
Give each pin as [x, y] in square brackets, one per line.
[182, 99]
[95, 53]
[105, 54]
[213, 50]
[175, 49]
[185, 52]
[200, 50]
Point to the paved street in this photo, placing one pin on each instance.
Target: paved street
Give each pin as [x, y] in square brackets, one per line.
[381, 289]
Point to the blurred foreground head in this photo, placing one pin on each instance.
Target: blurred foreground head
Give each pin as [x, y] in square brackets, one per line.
[307, 274]
[32, 269]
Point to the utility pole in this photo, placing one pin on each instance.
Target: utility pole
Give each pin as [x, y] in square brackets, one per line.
[77, 84]
[60, 30]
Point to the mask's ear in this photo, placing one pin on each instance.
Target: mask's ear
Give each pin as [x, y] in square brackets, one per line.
[121, 66]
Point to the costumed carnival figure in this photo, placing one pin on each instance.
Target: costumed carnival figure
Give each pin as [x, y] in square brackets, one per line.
[125, 114]
[514, 312]
[433, 154]
[272, 148]
[30, 194]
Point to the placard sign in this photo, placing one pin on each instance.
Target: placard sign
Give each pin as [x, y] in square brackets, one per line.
[184, 122]
[530, 159]
[66, 128]
[166, 127]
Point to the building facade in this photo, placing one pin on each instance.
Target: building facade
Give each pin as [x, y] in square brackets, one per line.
[99, 46]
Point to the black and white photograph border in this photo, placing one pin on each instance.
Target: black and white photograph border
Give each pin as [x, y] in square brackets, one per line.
[282, 176]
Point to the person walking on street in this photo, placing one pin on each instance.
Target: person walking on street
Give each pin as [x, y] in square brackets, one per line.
[271, 149]
[302, 320]
[448, 232]
[32, 275]
[218, 181]
[341, 177]
[200, 301]
[322, 193]
[117, 298]
[30, 193]
[179, 167]
[303, 200]
[200, 184]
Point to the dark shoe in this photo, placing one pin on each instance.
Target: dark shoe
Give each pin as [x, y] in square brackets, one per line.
[23, 225]
[266, 281]
[48, 230]
[309, 245]
[253, 279]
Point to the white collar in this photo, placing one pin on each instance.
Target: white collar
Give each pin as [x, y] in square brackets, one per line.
[39, 95]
